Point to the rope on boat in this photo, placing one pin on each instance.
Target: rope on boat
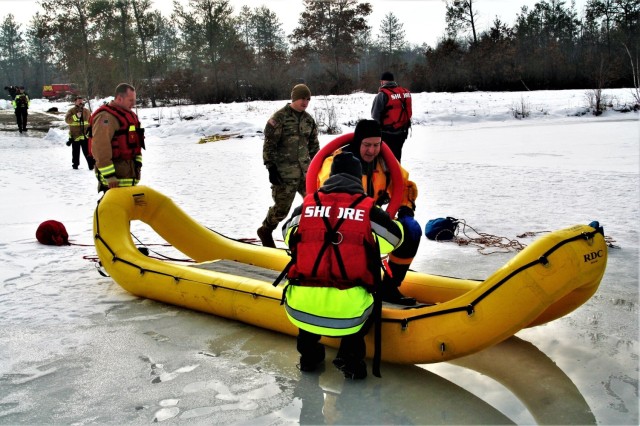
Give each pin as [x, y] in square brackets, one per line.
[483, 241]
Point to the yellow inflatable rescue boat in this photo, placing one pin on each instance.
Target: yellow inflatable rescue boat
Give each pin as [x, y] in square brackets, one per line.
[550, 278]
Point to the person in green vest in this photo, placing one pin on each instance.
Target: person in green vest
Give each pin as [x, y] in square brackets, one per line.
[21, 105]
[336, 238]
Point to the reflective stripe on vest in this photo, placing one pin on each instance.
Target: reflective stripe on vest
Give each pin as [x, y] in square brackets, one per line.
[110, 171]
[107, 171]
[328, 311]
[121, 182]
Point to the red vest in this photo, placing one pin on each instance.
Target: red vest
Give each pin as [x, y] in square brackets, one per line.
[334, 243]
[397, 112]
[128, 140]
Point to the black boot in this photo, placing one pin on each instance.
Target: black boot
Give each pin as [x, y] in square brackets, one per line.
[311, 351]
[264, 233]
[354, 369]
[391, 286]
[351, 367]
[310, 362]
[391, 294]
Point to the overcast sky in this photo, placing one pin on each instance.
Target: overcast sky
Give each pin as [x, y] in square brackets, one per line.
[423, 20]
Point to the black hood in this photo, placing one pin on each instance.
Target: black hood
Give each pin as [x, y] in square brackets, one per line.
[342, 182]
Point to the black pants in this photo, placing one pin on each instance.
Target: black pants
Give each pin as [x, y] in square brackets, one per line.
[352, 347]
[395, 142]
[21, 118]
[76, 146]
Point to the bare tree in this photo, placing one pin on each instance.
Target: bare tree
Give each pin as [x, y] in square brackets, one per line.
[145, 30]
[460, 17]
[210, 34]
[635, 71]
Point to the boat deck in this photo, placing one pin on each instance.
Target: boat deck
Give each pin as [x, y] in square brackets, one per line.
[269, 275]
[237, 268]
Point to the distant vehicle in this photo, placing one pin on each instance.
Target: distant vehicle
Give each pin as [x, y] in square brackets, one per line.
[59, 91]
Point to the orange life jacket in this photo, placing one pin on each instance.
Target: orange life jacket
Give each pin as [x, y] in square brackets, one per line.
[333, 243]
[377, 184]
[128, 140]
[397, 113]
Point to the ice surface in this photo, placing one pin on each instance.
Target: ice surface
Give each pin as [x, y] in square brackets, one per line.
[76, 348]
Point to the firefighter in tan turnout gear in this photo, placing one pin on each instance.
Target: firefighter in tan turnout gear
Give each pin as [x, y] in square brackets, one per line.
[78, 120]
[117, 141]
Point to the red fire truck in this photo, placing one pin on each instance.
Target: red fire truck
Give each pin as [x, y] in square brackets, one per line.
[59, 91]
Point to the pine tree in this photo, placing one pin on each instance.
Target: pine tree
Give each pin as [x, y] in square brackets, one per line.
[391, 38]
[210, 42]
[11, 50]
[40, 50]
[71, 28]
[330, 29]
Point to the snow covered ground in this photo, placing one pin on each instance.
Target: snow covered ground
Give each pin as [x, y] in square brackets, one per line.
[76, 348]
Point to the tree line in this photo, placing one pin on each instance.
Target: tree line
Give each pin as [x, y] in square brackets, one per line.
[207, 52]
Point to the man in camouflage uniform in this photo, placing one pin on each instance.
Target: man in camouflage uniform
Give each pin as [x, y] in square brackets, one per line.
[290, 142]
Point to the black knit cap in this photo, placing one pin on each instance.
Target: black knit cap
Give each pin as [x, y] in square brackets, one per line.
[387, 76]
[365, 129]
[346, 162]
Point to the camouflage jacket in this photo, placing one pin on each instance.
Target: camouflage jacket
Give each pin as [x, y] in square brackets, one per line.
[290, 142]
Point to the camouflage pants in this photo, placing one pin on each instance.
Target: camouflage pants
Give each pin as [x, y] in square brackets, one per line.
[283, 196]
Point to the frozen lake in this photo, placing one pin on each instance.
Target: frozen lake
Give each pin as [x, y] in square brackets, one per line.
[77, 349]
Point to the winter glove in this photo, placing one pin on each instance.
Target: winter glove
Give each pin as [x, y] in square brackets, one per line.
[113, 182]
[404, 211]
[274, 176]
[69, 142]
[411, 226]
[383, 198]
